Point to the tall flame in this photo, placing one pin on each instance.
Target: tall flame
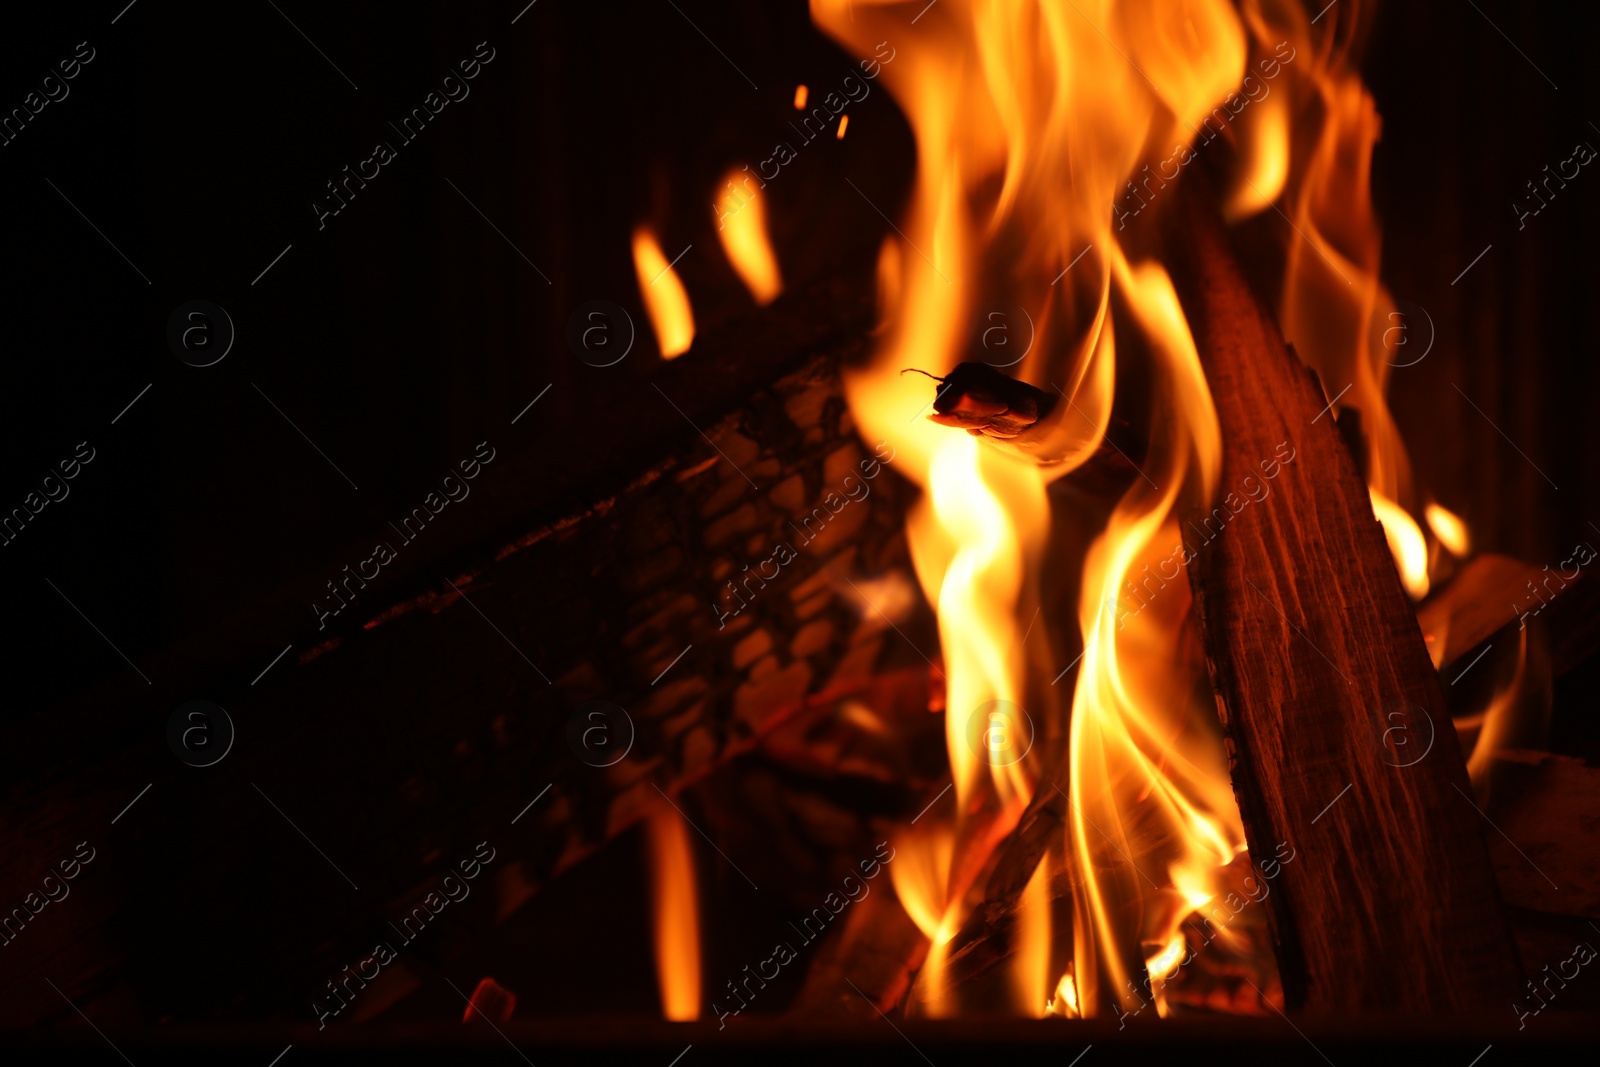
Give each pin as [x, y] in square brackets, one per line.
[675, 916]
[1044, 132]
[1341, 319]
[1031, 120]
[664, 296]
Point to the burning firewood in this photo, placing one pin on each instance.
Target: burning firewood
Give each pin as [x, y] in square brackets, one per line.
[1314, 649]
[1303, 578]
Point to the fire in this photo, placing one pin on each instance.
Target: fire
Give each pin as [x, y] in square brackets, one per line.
[1044, 133]
[1065, 1000]
[1032, 973]
[664, 295]
[1031, 121]
[1449, 529]
[742, 221]
[1405, 544]
[1341, 319]
[1498, 720]
[920, 876]
[676, 915]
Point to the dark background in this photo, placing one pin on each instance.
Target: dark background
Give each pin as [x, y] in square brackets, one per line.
[400, 335]
[408, 329]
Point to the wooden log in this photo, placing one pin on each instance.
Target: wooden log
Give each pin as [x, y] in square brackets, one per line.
[988, 938]
[1549, 808]
[877, 953]
[1491, 593]
[1316, 657]
[443, 716]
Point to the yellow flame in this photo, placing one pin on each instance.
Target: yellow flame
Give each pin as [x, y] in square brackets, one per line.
[676, 915]
[664, 295]
[1449, 529]
[1031, 970]
[1162, 965]
[921, 867]
[978, 629]
[742, 225]
[1410, 551]
[920, 874]
[1032, 121]
[1065, 1001]
[1341, 319]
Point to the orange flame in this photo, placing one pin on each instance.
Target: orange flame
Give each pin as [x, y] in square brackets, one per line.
[1449, 529]
[1031, 973]
[676, 915]
[1031, 120]
[1341, 319]
[664, 295]
[1043, 133]
[742, 225]
[1405, 544]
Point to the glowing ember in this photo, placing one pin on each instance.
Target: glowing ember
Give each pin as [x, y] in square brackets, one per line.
[664, 295]
[741, 214]
[844, 122]
[801, 93]
[676, 915]
[492, 1001]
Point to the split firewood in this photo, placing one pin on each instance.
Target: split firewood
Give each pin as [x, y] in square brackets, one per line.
[1314, 649]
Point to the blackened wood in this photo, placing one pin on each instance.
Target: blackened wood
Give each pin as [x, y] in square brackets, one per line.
[989, 936]
[1315, 654]
[869, 967]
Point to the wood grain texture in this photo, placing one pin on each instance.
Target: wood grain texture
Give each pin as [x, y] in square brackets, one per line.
[1320, 670]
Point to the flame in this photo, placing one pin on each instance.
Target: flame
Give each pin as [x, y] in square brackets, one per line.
[844, 124]
[920, 874]
[1499, 719]
[1449, 529]
[1341, 319]
[1410, 551]
[1031, 120]
[922, 864]
[1031, 973]
[800, 95]
[664, 295]
[1065, 1001]
[676, 915]
[742, 225]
